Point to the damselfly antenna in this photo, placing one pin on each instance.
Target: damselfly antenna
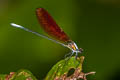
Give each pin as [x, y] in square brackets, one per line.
[49, 26]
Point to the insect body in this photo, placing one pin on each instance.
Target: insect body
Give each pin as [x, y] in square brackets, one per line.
[49, 26]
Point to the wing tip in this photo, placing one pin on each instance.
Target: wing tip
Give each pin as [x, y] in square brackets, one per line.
[39, 9]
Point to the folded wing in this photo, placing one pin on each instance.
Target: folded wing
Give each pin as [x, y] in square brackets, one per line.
[50, 26]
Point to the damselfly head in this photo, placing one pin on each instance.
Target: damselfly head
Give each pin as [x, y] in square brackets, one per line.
[72, 45]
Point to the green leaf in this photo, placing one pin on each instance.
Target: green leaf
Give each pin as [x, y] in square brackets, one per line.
[70, 69]
[24, 75]
[2, 76]
[62, 69]
[19, 75]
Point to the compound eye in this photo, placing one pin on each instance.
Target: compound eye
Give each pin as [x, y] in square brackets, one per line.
[80, 49]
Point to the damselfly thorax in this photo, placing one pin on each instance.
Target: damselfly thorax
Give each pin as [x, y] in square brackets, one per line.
[73, 47]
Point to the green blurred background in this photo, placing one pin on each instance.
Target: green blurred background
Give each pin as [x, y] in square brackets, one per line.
[93, 24]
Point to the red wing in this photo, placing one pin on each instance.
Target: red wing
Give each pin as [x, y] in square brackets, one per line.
[50, 26]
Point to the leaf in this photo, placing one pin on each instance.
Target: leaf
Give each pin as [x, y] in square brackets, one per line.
[70, 69]
[62, 69]
[19, 75]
